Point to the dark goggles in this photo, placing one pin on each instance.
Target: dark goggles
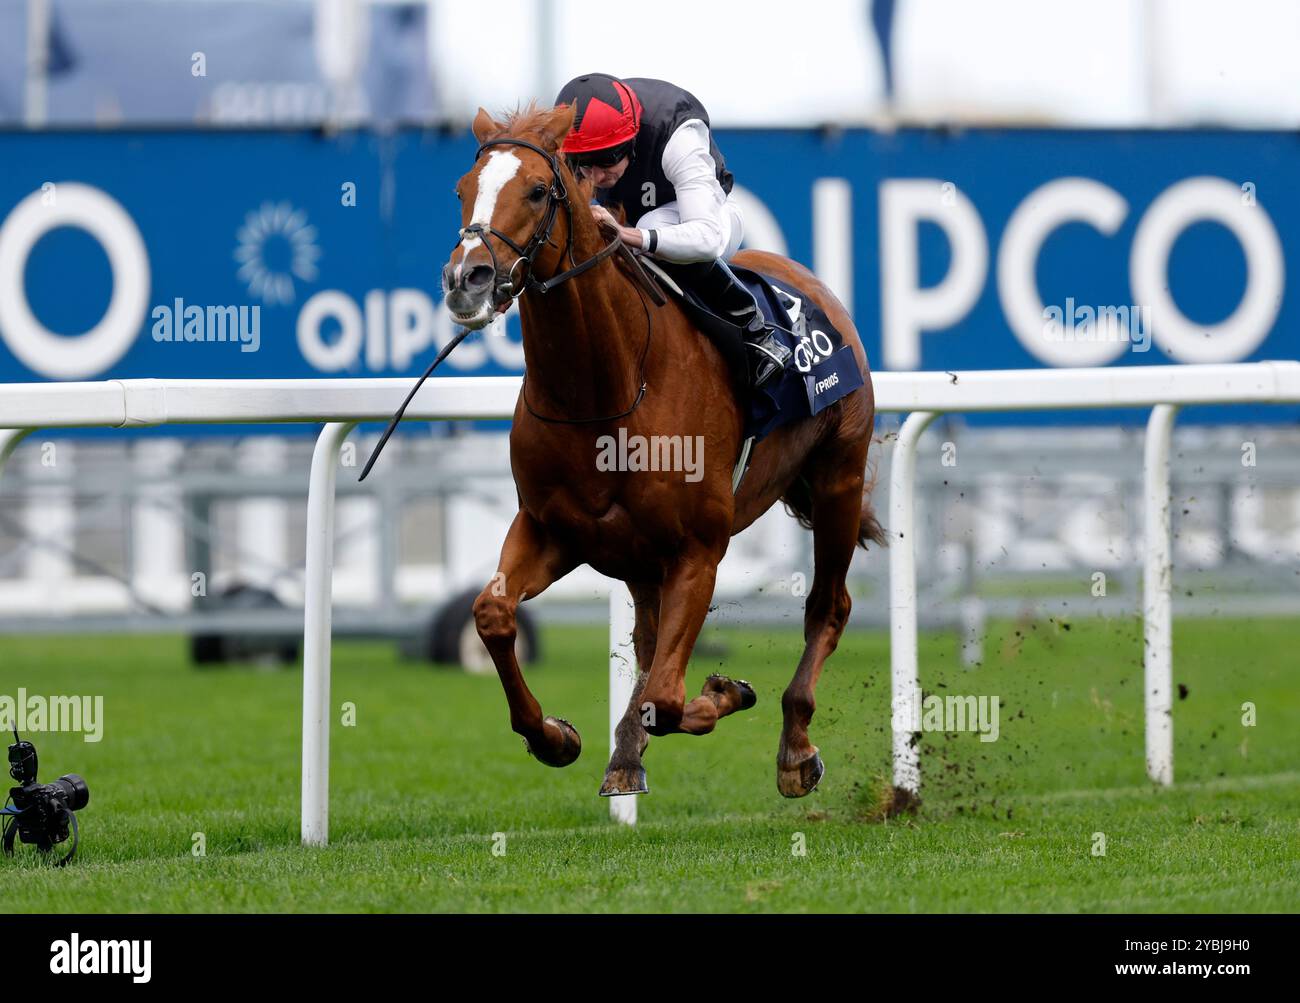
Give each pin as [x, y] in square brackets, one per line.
[599, 158]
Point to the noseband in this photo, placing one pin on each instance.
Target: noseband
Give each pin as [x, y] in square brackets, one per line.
[556, 197]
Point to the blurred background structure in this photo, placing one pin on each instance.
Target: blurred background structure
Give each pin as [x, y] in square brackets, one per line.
[1112, 63]
[951, 169]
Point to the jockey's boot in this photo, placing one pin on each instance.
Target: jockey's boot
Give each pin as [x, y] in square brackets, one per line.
[722, 291]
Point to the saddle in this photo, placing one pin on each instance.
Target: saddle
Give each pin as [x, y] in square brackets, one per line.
[822, 370]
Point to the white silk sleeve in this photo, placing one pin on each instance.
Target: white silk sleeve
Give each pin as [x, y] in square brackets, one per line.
[690, 167]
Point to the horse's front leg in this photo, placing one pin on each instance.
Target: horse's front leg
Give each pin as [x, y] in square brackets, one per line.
[625, 774]
[530, 562]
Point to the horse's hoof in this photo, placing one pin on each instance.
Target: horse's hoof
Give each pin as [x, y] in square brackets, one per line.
[798, 781]
[569, 748]
[719, 684]
[624, 781]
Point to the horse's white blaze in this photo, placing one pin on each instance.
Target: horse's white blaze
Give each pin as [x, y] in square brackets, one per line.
[500, 168]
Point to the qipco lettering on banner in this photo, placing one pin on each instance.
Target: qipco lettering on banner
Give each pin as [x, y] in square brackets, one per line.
[390, 330]
[908, 309]
[387, 326]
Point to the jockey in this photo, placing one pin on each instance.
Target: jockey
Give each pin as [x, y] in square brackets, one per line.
[646, 145]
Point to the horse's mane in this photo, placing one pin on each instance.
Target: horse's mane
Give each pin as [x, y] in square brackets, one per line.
[528, 121]
[524, 120]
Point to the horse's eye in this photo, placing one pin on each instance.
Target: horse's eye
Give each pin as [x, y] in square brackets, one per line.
[538, 192]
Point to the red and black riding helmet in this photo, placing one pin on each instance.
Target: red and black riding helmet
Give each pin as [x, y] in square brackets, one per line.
[607, 120]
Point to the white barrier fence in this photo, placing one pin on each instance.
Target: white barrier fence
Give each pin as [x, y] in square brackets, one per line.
[342, 403]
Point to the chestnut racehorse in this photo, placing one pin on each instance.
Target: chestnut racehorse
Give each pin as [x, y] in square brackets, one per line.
[599, 357]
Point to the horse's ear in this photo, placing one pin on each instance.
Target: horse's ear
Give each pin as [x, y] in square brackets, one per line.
[555, 125]
[486, 126]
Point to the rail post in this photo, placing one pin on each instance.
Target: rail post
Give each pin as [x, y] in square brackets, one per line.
[1157, 596]
[904, 677]
[316, 634]
[622, 679]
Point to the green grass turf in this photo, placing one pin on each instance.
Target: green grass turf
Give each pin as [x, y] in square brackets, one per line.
[431, 770]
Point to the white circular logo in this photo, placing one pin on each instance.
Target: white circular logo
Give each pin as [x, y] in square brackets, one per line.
[278, 221]
[88, 354]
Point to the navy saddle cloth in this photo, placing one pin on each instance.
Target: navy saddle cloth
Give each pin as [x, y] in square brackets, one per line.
[822, 370]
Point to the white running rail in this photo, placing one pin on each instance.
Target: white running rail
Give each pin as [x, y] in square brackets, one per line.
[342, 403]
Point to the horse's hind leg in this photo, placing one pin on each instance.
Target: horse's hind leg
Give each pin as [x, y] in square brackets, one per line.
[530, 562]
[625, 774]
[836, 476]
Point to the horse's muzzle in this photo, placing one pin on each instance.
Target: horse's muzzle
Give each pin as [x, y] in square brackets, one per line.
[472, 294]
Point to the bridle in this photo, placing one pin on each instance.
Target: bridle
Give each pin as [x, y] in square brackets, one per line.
[510, 287]
[556, 196]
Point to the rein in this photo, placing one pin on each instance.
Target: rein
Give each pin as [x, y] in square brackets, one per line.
[640, 394]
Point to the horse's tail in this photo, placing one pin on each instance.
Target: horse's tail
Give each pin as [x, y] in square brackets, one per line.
[869, 528]
[798, 503]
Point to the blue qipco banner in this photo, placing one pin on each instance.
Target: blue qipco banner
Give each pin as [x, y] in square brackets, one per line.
[292, 254]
